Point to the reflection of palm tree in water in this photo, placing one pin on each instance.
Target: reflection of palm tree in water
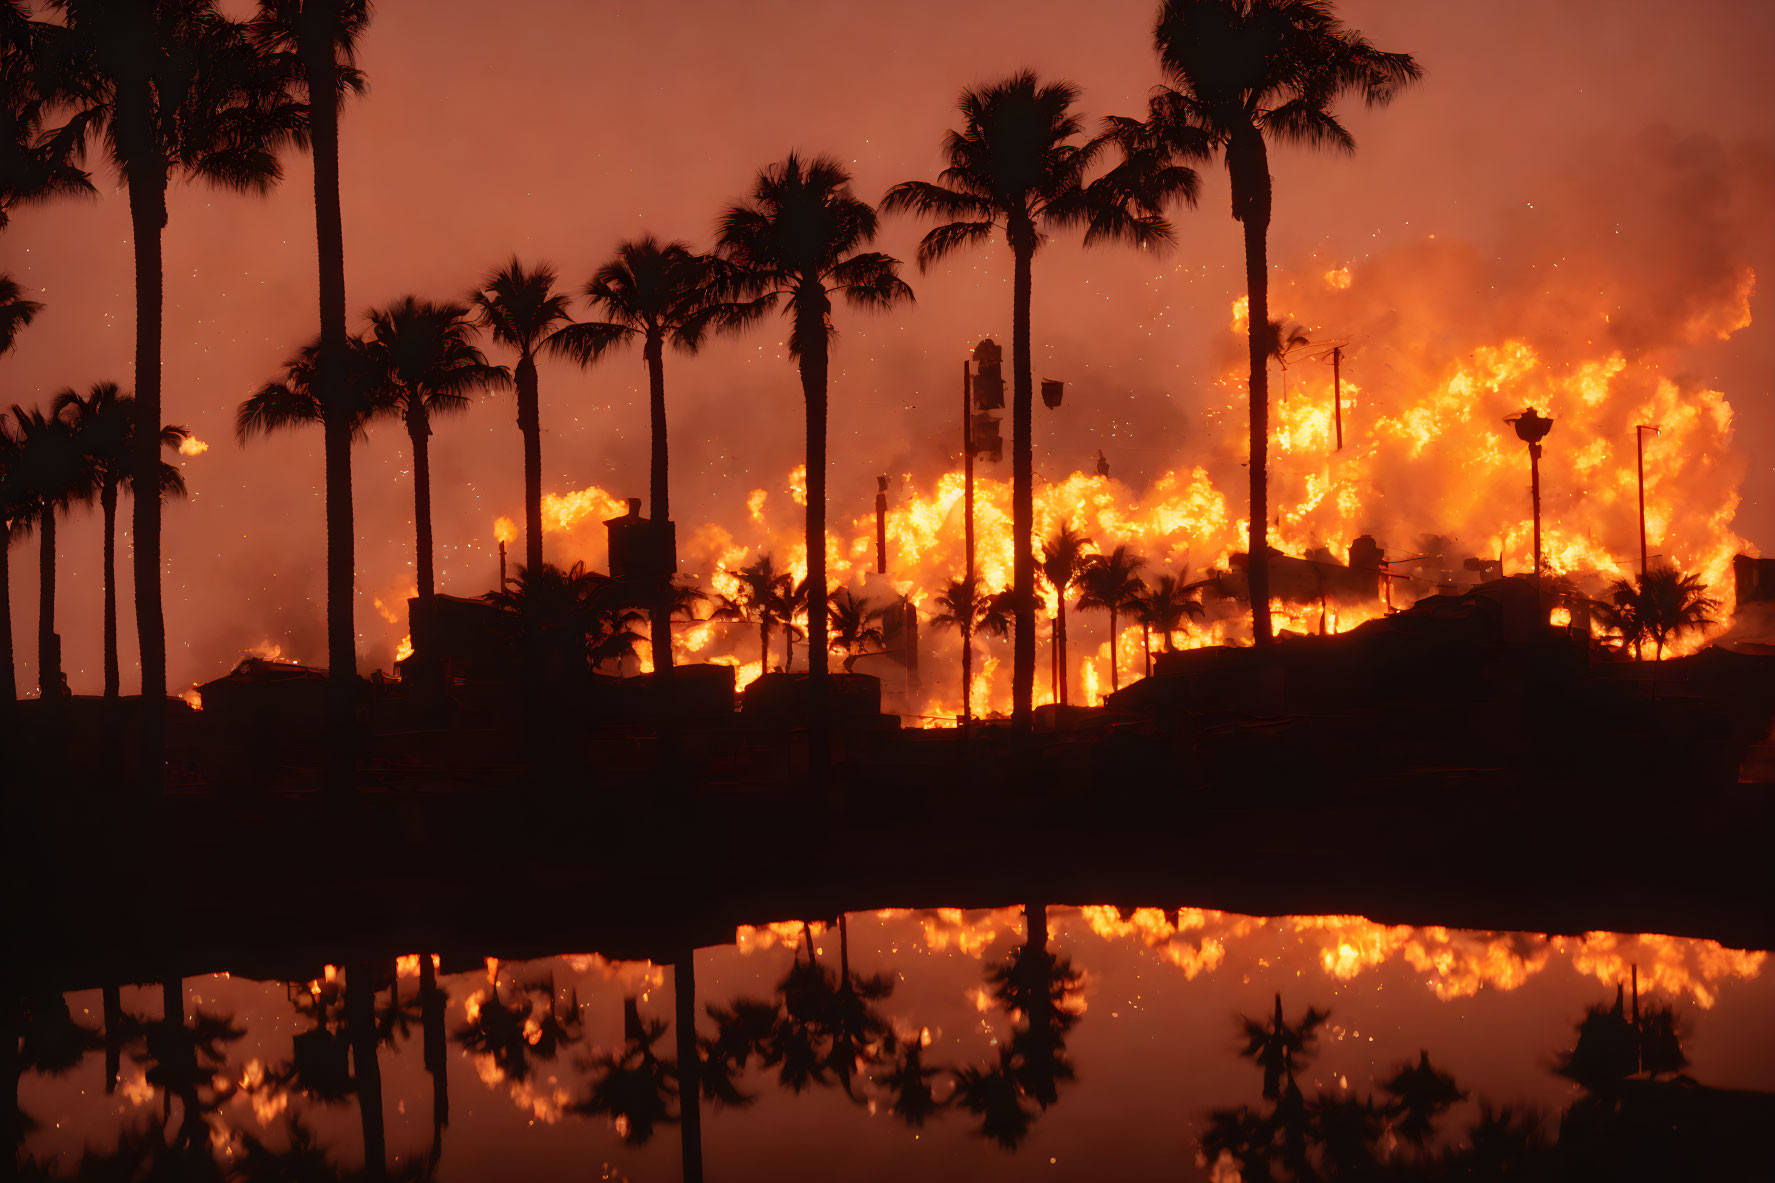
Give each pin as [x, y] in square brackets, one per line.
[513, 1033]
[633, 1086]
[1033, 985]
[432, 1001]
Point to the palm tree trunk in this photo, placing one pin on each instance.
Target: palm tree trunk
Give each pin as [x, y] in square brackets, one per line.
[431, 1011]
[1060, 638]
[763, 644]
[11, 686]
[658, 492]
[147, 207]
[1146, 646]
[813, 390]
[108, 500]
[1022, 497]
[329, 236]
[366, 1072]
[789, 644]
[49, 665]
[530, 423]
[967, 675]
[1114, 665]
[690, 1087]
[1247, 159]
[419, 431]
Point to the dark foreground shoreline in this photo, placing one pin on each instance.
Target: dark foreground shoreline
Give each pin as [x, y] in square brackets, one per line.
[110, 889]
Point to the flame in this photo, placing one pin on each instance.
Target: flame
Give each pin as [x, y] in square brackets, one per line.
[270, 651]
[192, 446]
[404, 650]
[193, 698]
[798, 484]
[504, 529]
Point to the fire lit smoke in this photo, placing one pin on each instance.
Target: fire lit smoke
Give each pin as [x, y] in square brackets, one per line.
[192, 446]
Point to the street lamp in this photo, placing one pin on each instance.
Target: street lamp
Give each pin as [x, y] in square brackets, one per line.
[1639, 438]
[1531, 428]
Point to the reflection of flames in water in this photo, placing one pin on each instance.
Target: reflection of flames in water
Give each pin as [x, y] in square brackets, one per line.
[1457, 963]
[1427, 383]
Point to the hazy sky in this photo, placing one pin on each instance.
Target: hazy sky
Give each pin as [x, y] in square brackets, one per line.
[555, 129]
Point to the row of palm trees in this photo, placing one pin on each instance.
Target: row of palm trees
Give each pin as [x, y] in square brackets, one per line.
[176, 89]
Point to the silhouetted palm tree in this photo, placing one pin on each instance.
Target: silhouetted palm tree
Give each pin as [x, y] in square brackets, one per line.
[908, 1082]
[1017, 164]
[1622, 614]
[992, 1095]
[520, 308]
[798, 240]
[312, 45]
[1239, 73]
[169, 88]
[36, 164]
[1034, 984]
[1421, 1095]
[652, 292]
[1279, 1048]
[763, 590]
[791, 602]
[632, 1085]
[103, 422]
[964, 605]
[50, 475]
[855, 625]
[295, 399]
[16, 312]
[1661, 605]
[1063, 558]
[426, 367]
[1111, 583]
[1165, 605]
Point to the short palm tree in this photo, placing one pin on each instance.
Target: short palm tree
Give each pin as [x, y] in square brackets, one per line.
[170, 89]
[966, 606]
[49, 477]
[1622, 615]
[1018, 164]
[425, 366]
[651, 293]
[798, 241]
[1238, 74]
[763, 589]
[855, 622]
[103, 422]
[1063, 557]
[1281, 1049]
[520, 308]
[312, 44]
[1663, 605]
[1165, 604]
[1111, 583]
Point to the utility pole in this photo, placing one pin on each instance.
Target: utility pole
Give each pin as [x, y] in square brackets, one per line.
[967, 452]
[1639, 439]
[1337, 395]
[1531, 428]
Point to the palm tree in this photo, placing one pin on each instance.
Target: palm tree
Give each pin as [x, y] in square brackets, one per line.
[1281, 1049]
[103, 423]
[652, 293]
[1237, 74]
[1662, 605]
[426, 367]
[1063, 557]
[315, 44]
[169, 88]
[1622, 615]
[1111, 583]
[1017, 165]
[791, 602]
[1165, 604]
[855, 625]
[1421, 1095]
[16, 312]
[798, 240]
[964, 605]
[35, 164]
[763, 589]
[51, 475]
[295, 400]
[520, 308]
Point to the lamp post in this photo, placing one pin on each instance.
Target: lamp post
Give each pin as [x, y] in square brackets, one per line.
[1639, 439]
[1531, 428]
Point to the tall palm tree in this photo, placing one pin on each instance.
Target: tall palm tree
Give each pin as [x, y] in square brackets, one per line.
[103, 422]
[170, 88]
[50, 475]
[798, 241]
[1165, 604]
[426, 366]
[1063, 557]
[520, 308]
[1238, 74]
[1019, 164]
[965, 605]
[652, 293]
[16, 312]
[315, 44]
[1111, 583]
[295, 400]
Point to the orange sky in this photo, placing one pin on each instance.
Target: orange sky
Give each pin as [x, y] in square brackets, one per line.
[554, 129]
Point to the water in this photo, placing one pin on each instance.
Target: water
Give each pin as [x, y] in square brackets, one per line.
[1144, 1041]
